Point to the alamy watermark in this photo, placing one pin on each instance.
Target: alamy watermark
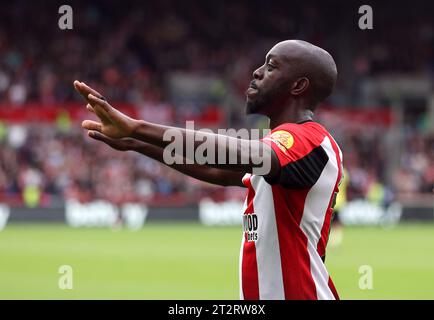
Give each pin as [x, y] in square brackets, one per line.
[66, 280]
[228, 146]
[366, 20]
[66, 20]
[366, 280]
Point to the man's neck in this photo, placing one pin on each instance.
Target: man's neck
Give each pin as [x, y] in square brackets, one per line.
[291, 116]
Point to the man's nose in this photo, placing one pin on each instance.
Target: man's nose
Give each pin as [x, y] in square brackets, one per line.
[258, 73]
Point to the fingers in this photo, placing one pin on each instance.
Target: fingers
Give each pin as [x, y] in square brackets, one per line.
[93, 98]
[77, 86]
[117, 144]
[89, 90]
[100, 102]
[101, 137]
[85, 90]
[90, 108]
[91, 125]
[99, 112]
[98, 136]
[80, 89]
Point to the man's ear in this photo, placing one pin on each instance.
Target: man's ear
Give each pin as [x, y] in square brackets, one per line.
[299, 86]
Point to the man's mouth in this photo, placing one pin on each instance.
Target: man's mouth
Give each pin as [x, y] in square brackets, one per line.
[252, 90]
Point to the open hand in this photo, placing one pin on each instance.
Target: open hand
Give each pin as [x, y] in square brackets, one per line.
[123, 144]
[114, 124]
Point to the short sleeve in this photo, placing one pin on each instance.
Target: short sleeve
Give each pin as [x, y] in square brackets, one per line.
[301, 156]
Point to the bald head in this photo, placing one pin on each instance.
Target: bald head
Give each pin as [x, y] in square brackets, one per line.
[295, 73]
[304, 59]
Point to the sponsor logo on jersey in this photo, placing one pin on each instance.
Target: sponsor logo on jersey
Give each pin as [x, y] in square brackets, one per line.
[250, 227]
[283, 139]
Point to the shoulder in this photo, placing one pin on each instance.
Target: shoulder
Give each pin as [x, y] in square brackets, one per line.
[308, 129]
[303, 150]
[296, 140]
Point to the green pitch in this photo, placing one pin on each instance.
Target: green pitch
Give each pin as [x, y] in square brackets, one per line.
[188, 261]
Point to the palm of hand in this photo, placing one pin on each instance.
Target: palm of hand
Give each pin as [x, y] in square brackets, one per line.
[114, 124]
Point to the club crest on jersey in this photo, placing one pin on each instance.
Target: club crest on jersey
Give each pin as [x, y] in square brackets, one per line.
[250, 227]
[283, 139]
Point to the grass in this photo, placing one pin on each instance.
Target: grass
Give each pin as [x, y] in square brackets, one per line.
[190, 261]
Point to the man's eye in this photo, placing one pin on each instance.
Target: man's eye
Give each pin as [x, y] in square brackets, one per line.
[270, 67]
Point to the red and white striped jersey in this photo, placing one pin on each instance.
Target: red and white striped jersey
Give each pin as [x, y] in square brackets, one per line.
[287, 221]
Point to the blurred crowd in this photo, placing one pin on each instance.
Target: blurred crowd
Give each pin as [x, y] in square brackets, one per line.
[41, 164]
[131, 52]
[367, 164]
[416, 171]
[128, 51]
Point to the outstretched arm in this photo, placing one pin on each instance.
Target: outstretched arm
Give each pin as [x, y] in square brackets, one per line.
[249, 154]
[200, 172]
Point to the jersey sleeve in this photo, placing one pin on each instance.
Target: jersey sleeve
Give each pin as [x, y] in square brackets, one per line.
[301, 156]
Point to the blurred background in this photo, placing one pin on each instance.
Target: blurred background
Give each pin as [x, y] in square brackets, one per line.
[67, 200]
